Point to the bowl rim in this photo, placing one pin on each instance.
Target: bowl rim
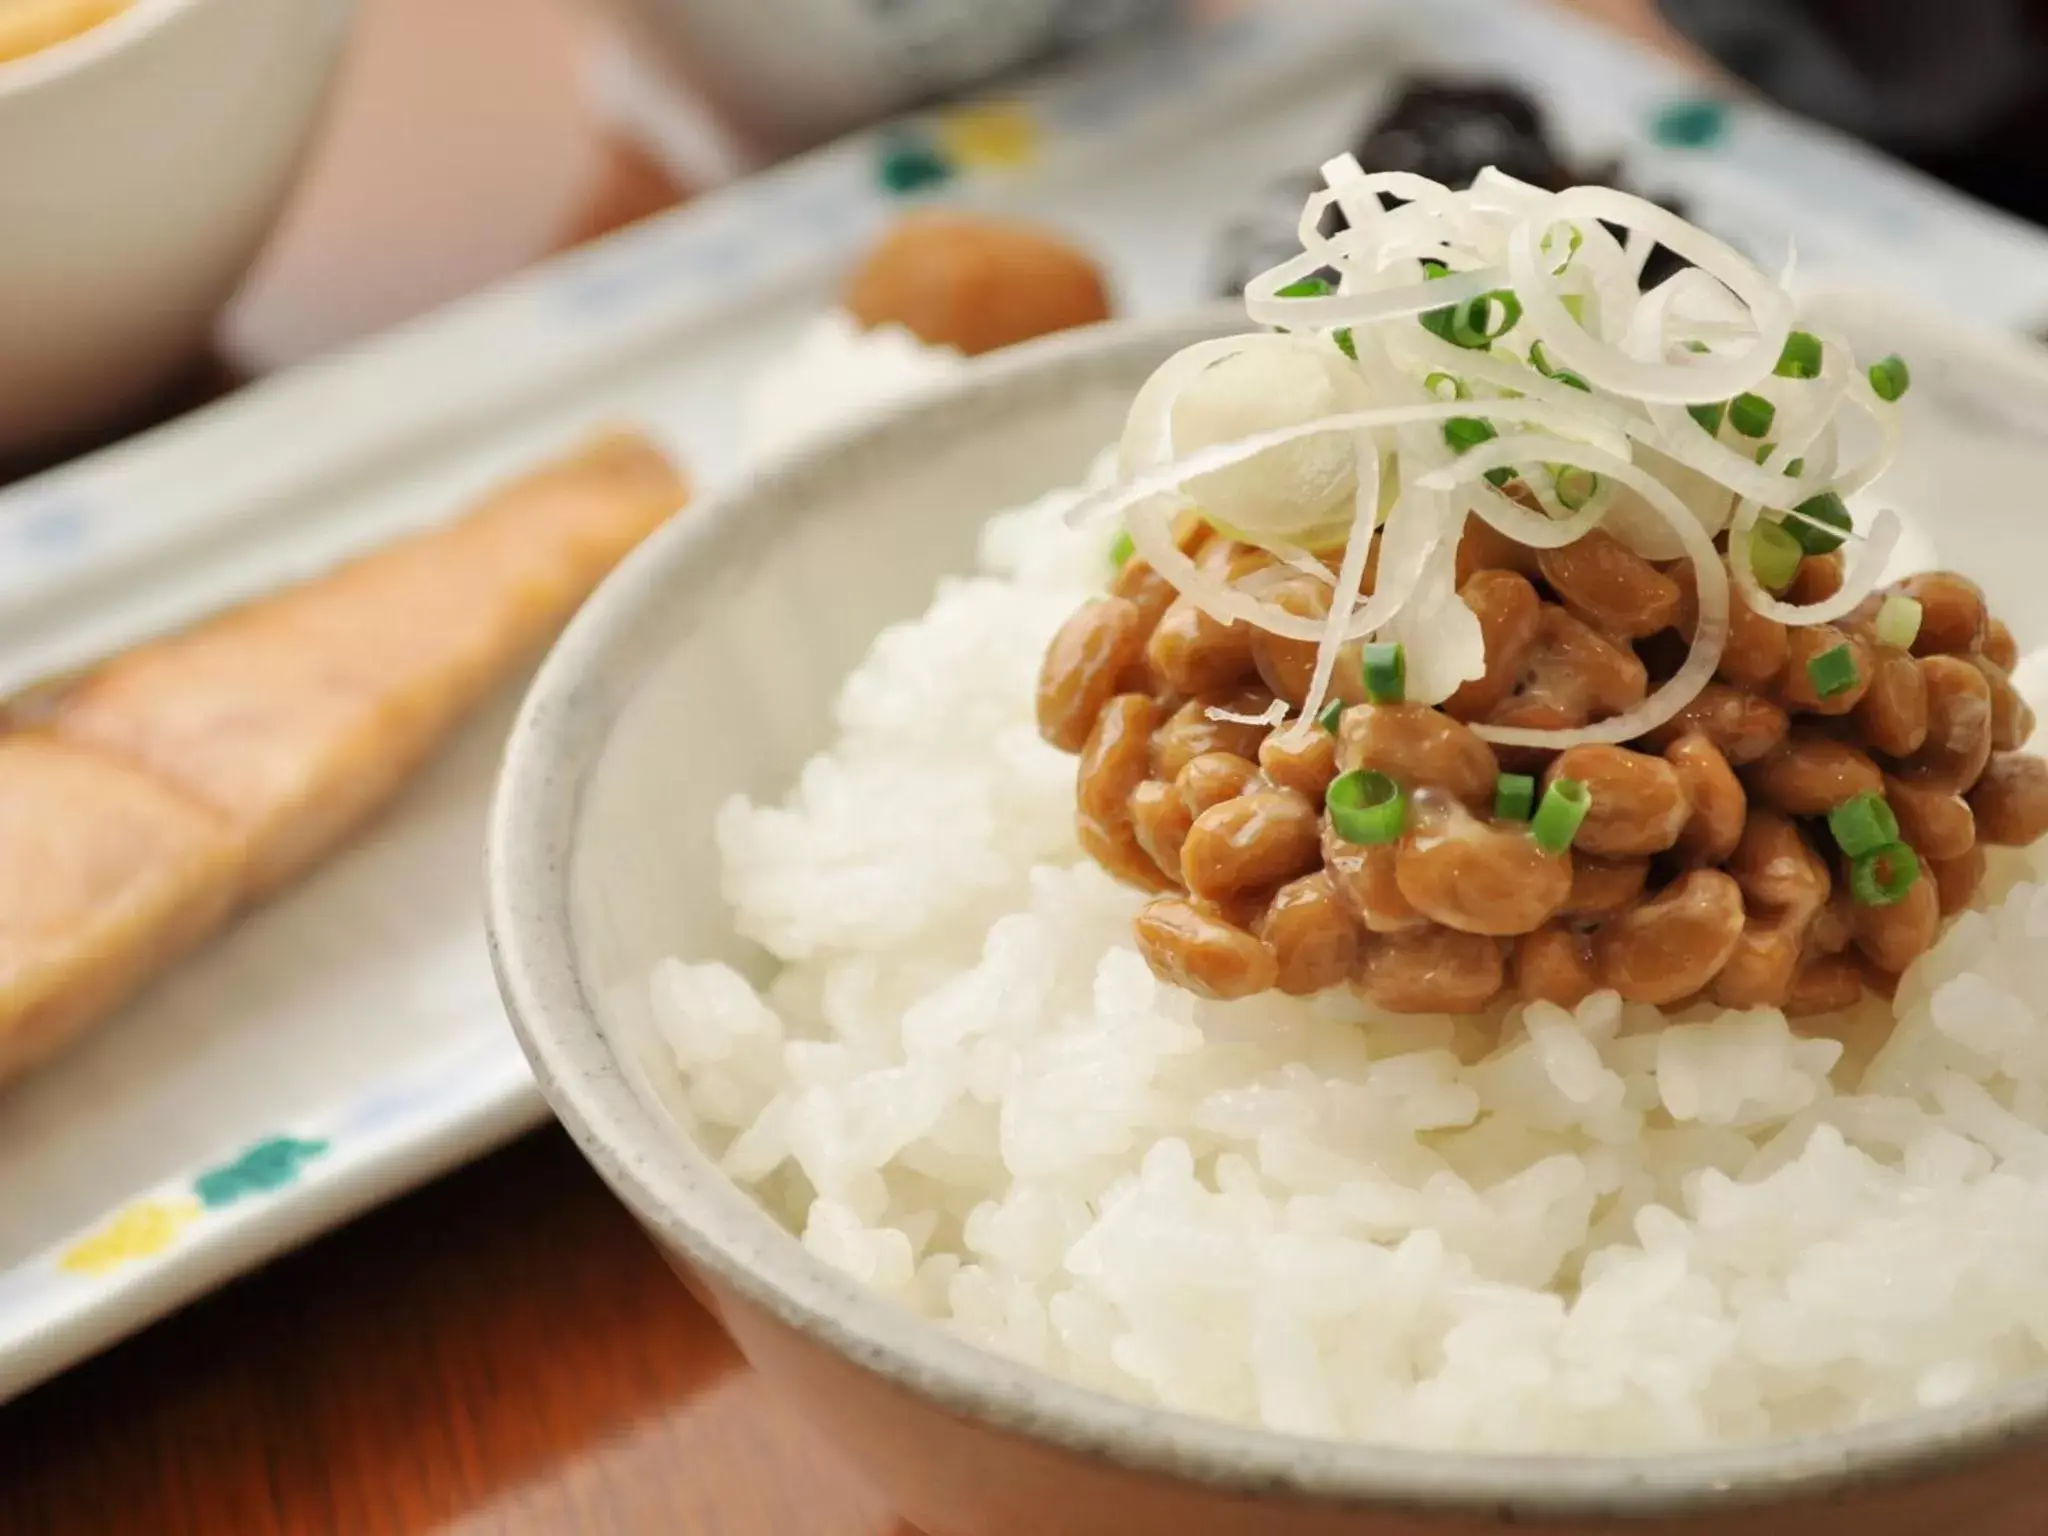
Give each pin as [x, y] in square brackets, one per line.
[81, 50]
[561, 730]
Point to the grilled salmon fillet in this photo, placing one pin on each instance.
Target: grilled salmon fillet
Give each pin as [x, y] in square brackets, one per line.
[208, 769]
[296, 716]
[105, 877]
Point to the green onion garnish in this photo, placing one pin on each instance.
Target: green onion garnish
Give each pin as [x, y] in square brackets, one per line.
[1883, 875]
[1310, 287]
[1709, 414]
[1774, 556]
[1832, 671]
[1366, 806]
[1824, 509]
[1332, 716]
[1563, 375]
[1386, 673]
[1889, 377]
[1571, 250]
[1436, 321]
[1574, 486]
[1801, 357]
[1751, 415]
[1342, 336]
[1564, 806]
[1697, 348]
[1514, 797]
[1898, 620]
[1477, 323]
[1463, 432]
[1121, 548]
[1446, 387]
[1574, 304]
[1863, 824]
[1482, 321]
[1793, 470]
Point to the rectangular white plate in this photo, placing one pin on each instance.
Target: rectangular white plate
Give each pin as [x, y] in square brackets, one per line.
[346, 1042]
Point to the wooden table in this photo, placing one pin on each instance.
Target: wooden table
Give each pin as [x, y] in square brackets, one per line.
[502, 1352]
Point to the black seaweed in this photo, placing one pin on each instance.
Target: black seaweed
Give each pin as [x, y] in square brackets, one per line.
[1449, 131]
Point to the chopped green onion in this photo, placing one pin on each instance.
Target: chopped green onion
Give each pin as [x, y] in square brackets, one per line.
[1898, 620]
[1366, 806]
[1445, 387]
[1564, 806]
[1575, 487]
[1883, 875]
[1332, 716]
[1571, 250]
[1709, 414]
[1827, 509]
[1480, 322]
[1801, 357]
[1574, 304]
[1477, 323]
[1310, 287]
[1386, 673]
[1121, 548]
[1436, 321]
[1514, 797]
[1889, 377]
[1832, 671]
[1774, 555]
[1751, 415]
[1342, 336]
[1463, 432]
[1563, 376]
[1697, 347]
[1793, 470]
[1863, 824]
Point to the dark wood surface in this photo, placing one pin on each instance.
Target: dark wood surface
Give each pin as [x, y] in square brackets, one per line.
[501, 1352]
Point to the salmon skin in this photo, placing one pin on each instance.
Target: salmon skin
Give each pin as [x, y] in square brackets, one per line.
[202, 772]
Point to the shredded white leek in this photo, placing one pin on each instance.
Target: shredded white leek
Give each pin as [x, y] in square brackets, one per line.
[1527, 302]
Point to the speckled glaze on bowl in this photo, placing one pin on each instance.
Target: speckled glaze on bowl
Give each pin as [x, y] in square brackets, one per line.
[706, 665]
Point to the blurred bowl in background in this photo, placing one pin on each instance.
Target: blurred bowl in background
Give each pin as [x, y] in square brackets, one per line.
[788, 74]
[142, 163]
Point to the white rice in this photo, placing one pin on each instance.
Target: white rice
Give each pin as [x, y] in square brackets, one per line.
[1548, 1230]
[833, 373]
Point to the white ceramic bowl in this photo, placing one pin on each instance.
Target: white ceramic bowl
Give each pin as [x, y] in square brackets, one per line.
[707, 665]
[141, 165]
[791, 73]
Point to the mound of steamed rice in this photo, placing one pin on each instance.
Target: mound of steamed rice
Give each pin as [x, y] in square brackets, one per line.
[1604, 1230]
